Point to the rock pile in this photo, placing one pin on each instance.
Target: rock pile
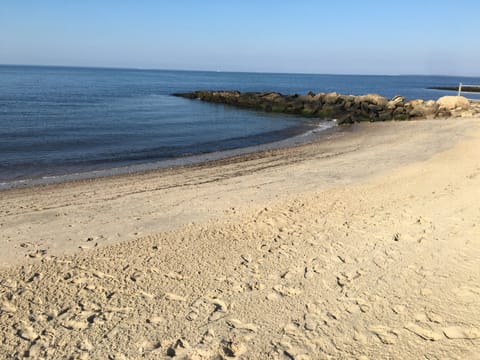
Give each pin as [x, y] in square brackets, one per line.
[344, 108]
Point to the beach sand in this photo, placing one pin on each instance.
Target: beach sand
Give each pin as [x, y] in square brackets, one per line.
[363, 245]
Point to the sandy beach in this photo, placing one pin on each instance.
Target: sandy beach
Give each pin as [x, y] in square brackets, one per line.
[363, 245]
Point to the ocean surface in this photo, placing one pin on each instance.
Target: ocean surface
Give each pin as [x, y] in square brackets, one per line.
[59, 120]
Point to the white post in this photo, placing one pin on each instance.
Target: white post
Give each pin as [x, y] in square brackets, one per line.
[459, 89]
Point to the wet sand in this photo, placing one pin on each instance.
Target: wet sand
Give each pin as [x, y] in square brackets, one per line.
[362, 245]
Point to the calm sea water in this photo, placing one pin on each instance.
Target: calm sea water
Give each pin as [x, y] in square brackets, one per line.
[55, 120]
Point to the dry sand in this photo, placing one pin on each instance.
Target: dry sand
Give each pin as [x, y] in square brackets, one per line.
[364, 245]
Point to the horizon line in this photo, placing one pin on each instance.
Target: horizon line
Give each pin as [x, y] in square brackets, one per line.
[223, 71]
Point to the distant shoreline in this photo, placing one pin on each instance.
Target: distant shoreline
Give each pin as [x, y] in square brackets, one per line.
[133, 68]
[472, 89]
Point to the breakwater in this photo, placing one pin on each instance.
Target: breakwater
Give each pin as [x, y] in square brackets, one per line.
[343, 108]
[465, 88]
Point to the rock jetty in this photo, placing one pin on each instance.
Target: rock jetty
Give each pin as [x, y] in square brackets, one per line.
[465, 88]
[344, 108]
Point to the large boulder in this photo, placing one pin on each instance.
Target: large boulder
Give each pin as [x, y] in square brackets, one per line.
[414, 103]
[453, 102]
[270, 96]
[374, 99]
[385, 115]
[423, 111]
[330, 98]
[395, 102]
[319, 97]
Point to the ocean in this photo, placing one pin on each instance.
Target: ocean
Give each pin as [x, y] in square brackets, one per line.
[56, 121]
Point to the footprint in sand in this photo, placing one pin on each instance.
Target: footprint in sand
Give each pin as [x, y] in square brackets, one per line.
[8, 307]
[424, 333]
[398, 309]
[146, 346]
[174, 276]
[346, 278]
[386, 335]
[174, 297]
[295, 344]
[195, 310]
[155, 319]
[37, 254]
[75, 325]
[461, 332]
[287, 291]
[178, 348]
[85, 345]
[234, 349]
[37, 350]
[312, 321]
[27, 332]
[219, 311]
[359, 336]
[237, 324]
[435, 318]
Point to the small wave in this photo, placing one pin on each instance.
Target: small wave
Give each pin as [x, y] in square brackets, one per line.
[321, 127]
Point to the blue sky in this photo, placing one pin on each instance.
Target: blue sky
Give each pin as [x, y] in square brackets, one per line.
[334, 37]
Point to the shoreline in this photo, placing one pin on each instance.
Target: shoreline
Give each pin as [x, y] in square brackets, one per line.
[465, 89]
[341, 143]
[325, 129]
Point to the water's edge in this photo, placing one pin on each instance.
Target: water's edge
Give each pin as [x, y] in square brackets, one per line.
[324, 130]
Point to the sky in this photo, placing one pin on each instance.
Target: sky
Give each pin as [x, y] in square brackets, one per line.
[326, 37]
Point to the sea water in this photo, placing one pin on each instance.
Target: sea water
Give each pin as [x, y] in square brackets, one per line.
[56, 121]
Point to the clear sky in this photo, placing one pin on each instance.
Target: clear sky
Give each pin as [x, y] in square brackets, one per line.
[329, 37]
